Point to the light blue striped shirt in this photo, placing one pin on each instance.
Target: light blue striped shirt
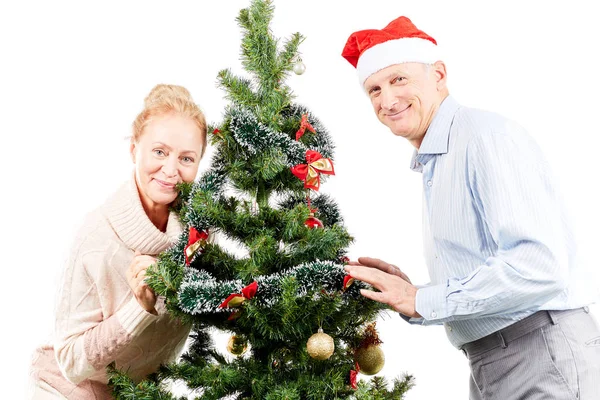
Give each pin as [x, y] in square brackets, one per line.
[497, 242]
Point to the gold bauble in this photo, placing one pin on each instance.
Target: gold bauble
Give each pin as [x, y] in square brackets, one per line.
[320, 346]
[370, 359]
[236, 345]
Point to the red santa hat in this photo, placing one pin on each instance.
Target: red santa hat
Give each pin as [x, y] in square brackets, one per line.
[401, 41]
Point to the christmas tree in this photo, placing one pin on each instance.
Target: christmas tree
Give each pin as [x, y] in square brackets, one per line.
[299, 327]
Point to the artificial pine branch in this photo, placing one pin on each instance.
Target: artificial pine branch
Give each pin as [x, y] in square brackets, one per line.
[237, 89]
[377, 389]
[125, 389]
[290, 50]
[327, 210]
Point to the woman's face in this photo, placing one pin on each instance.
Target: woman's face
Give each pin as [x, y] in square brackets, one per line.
[167, 152]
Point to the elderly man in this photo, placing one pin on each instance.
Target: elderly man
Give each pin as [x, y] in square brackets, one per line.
[505, 281]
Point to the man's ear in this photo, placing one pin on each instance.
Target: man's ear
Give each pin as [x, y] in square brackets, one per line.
[439, 69]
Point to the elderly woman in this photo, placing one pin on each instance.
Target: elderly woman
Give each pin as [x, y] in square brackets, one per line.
[106, 312]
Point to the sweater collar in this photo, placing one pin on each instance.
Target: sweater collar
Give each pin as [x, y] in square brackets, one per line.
[126, 215]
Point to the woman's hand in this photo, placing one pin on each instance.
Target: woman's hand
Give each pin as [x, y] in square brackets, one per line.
[136, 275]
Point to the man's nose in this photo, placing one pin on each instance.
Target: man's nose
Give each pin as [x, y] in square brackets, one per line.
[388, 100]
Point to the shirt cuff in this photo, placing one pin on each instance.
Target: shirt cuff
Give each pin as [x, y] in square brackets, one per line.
[133, 318]
[412, 321]
[430, 303]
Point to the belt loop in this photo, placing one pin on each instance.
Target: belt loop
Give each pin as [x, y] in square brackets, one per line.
[502, 341]
[553, 317]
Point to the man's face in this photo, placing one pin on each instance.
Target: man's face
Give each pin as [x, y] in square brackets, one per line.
[406, 96]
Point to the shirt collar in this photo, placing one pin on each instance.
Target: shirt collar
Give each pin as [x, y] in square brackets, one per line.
[437, 135]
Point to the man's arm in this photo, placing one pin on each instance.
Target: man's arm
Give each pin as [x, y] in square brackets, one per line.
[513, 193]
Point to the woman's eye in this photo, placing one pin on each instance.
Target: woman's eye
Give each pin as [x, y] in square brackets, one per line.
[187, 160]
[159, 152]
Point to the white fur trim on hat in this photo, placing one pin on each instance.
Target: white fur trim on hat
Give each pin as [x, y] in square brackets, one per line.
[395, 51]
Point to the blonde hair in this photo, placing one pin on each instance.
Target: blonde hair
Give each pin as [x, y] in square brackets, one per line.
[169, 99]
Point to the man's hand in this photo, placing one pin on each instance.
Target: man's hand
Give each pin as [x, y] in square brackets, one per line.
[394, 286]
[380, 265]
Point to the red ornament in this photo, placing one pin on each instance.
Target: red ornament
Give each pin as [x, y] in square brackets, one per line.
[216, 131]
[304, 125]
[311, 172]
[195, 242]
[313, 222]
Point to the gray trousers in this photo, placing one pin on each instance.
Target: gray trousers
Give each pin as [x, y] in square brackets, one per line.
[551, 355]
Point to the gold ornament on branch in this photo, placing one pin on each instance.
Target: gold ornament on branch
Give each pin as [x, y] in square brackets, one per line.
[368, 355]
[370, 359]
[320, 346]
[237, 345]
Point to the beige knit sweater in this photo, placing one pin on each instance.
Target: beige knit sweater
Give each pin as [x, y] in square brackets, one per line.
[98, 319]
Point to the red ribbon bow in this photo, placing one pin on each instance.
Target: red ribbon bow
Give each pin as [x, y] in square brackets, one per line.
[237, 299]
[195, 242]
[348, 280]
[304, 125]
[353, 377]
[310, 172]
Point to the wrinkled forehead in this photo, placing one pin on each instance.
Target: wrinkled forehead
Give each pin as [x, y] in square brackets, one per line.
[408, 70]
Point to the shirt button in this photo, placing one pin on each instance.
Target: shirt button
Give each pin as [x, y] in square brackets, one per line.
[429, 183]
[449, 328]
[433, 314]
[586, 309]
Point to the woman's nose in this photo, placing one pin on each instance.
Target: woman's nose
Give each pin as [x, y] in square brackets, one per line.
[170, 167]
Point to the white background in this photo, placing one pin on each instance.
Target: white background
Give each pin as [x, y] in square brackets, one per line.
[73, 77]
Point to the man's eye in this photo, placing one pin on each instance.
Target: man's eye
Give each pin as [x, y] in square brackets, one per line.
[398, 79]
[187, 160]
